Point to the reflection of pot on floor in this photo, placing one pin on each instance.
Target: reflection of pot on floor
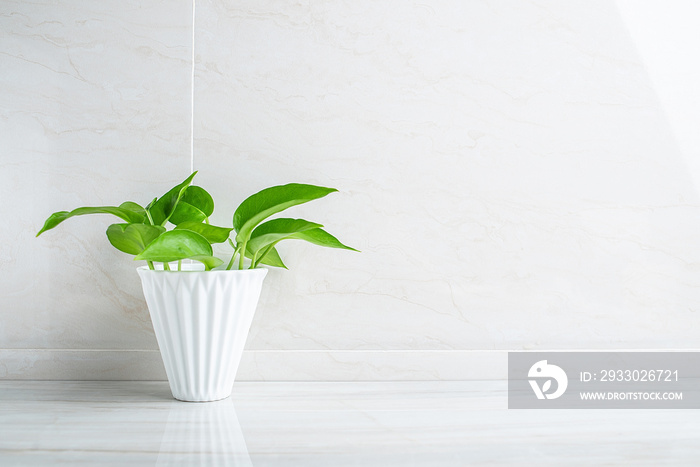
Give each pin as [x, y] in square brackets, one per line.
[201, 320]
[203, 434]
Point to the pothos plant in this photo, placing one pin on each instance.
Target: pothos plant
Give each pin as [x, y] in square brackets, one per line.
[187, 208]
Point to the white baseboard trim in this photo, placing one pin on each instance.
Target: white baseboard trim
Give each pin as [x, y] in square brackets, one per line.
[262, 365]
[273, 365]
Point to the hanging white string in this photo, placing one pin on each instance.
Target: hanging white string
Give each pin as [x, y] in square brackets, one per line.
[192, 94]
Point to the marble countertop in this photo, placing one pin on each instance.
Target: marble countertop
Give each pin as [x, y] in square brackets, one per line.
[326, 424]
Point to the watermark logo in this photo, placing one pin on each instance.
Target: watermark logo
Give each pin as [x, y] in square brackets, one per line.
[546, 372]
[603, 380]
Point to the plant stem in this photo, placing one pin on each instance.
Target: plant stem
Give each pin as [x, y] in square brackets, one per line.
[233, 258]
[150, 265]
[264, 253]
[166, 267]
[179, 265]
[242, 252]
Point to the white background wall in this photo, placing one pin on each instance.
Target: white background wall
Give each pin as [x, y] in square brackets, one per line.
[517, 175]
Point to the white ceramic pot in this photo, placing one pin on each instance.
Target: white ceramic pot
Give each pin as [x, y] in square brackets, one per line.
[201, 320]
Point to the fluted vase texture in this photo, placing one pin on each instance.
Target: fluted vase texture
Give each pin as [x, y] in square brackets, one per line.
[201, 320]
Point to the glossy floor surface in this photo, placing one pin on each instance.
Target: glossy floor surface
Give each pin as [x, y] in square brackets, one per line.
[326, 424]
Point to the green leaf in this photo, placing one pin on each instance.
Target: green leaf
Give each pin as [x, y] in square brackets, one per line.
[163, 208]
[199, 197]
[322, 238]
[276, 230]
[195, 205]
[133, 238]
[212, 233]
[135, 207]
[60, 216]
[269, 201]
[176, 245]
[210, 262]
[272, 258]
[185, 212]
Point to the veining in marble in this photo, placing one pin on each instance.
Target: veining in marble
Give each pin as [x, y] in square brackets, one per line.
[321, 424]
[517, 175]
[507, 169]
[92, 112]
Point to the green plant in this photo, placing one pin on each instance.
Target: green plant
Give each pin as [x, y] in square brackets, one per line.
[188, 209]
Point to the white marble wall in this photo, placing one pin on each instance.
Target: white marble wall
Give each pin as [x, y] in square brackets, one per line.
[518, 176]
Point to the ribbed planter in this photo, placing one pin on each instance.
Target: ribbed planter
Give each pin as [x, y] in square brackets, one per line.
[201, 320]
